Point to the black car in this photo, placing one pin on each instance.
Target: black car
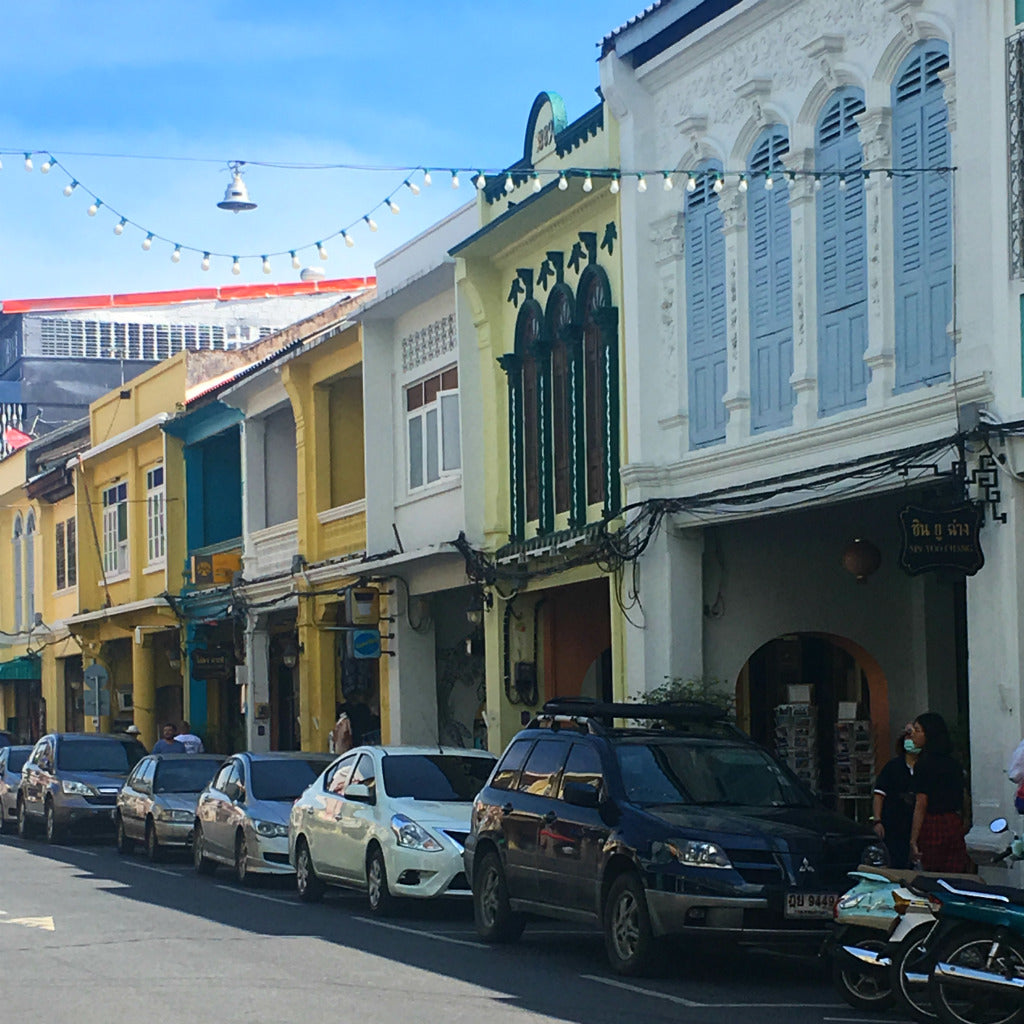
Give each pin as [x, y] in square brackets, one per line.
[679, 826]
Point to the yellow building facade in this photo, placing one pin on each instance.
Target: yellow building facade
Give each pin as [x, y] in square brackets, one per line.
[541, 286]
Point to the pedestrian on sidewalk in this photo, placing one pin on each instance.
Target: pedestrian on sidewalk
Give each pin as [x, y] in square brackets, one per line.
[894, 800]
[937, 830]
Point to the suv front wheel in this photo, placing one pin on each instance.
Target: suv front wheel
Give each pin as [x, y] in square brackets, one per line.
[495, 921]
[628, 937]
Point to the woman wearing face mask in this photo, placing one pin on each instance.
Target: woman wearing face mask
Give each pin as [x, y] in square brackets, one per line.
[894, 801]
[937, 831]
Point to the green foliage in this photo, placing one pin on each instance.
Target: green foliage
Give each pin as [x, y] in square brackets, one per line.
[704, 690]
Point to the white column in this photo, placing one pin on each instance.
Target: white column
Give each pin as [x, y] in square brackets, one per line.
[257, 656]
[412, 673]
[666, 641]
[805, 296]
[880, 355]
[737, 290]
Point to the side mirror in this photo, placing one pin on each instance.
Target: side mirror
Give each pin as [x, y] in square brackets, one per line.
[359, 792]
[997, 825]
[579, 794]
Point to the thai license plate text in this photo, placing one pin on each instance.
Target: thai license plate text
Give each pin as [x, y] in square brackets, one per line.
[810, 904]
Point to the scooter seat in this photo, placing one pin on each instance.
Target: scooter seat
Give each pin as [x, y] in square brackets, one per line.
[932, 883]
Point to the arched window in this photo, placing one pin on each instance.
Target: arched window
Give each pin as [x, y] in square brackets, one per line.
[771, 284]
[30, 569]
[595, 297]
[16, 544]
[559, 319]
[705, 311]
[842, 256]
[528, 328]
[922, 218]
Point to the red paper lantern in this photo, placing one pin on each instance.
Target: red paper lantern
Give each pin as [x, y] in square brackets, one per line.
[861, 558]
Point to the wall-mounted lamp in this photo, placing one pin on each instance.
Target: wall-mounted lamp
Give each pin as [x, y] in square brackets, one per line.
[290, 655]
[479, 602]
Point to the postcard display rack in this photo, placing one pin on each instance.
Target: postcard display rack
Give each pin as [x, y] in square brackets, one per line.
[855, 759]
[796, 740]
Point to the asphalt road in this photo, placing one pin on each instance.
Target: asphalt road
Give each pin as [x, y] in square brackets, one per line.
[87, 937]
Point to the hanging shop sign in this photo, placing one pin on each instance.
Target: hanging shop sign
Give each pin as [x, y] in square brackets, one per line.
[948, 538]
[364, 644]
[212, 664]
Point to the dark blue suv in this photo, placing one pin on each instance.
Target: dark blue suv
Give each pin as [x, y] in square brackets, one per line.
[680, 825]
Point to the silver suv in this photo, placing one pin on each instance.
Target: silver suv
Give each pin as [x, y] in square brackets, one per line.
[71, 781]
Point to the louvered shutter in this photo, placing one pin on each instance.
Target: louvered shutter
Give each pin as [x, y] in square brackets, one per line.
[842, 258]
[771, 302]
[706, 327]
[923, 221]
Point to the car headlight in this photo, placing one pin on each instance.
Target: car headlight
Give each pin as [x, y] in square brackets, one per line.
[171, 814]
[875, 854]
[73, 788]
[692, 853]
[270, 829]
[413, 836]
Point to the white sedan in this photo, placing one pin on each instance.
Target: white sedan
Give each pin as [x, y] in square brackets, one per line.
[389, 820]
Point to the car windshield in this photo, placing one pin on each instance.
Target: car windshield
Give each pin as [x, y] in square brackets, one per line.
[101, 755]
[706, 774]
[188, 775]
[445, 777]
[17, 758]
[284, 778]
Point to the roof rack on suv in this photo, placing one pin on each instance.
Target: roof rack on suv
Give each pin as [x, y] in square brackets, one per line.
[598, 715]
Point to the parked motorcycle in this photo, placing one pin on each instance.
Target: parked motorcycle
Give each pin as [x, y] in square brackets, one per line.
[978, 948]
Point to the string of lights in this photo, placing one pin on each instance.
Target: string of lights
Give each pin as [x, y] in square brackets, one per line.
[415, 178]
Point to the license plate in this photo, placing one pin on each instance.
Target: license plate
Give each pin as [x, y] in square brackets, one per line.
[810, 904]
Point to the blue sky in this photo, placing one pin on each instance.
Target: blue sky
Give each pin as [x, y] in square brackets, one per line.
[437, 83]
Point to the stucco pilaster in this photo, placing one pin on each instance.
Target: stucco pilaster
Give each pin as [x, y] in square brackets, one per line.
[804, 379]
[737, 391]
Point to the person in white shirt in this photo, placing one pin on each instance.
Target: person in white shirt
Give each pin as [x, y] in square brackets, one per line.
[189, 740]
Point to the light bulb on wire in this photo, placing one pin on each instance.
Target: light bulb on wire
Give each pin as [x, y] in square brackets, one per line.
[349, 240]
[370, 222]
[176, 255]
[509, 183]
[70, 187]
[147, 242]
[266, 265]
[455, 179]
[119, 226]
[94, 207]
[691, 183]
[412, 187]
[614, 186]
[44, 167]
[718, 185]
[321, 251]
[563, 182]
[28, 161]
[391, 205]
[769, 183]
[536, 182]
[427, 179]
[641, 183]
[236, 267]
[742, 186]
[588, 183]
[205, 265]
[296, 262]
[480, 180]
[667, 183]
[842, 182]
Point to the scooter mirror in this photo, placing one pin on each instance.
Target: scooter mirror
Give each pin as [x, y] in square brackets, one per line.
[997, 825]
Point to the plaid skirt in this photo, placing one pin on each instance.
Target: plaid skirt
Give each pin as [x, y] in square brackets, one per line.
[941, 843]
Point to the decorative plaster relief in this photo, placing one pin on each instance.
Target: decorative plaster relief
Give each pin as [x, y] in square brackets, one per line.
[428, 343]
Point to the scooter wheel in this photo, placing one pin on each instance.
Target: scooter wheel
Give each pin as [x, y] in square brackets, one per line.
[908, 975]
[959, 1003]
[863, 987]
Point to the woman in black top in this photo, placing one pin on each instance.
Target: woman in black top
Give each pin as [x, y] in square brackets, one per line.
[937, 831]
[894, 801]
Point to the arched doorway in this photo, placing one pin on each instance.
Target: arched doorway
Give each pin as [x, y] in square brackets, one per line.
[821, 702]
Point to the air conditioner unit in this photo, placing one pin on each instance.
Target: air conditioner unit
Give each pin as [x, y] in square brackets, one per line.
[124, 700]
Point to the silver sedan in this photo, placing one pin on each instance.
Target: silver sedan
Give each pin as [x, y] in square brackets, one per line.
[157, 804]
[11, 760]
[242, 815]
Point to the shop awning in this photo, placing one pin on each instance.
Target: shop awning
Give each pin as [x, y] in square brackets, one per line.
[26, 667]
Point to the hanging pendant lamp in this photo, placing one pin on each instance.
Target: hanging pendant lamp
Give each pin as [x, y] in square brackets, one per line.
[236, 195]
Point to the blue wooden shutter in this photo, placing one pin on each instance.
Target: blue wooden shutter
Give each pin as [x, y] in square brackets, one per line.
[771, 297]
[842, 257]
[705, 313]
[923, 216]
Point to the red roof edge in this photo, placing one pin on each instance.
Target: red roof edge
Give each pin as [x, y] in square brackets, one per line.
[170, 298]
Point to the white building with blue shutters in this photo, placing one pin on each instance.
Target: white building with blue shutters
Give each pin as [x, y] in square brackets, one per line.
[822, 327]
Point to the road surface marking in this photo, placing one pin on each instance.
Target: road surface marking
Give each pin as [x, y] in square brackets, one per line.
[46, 923]
[159, 871]
[682, 1001]
[257, 895]
[422, 934]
